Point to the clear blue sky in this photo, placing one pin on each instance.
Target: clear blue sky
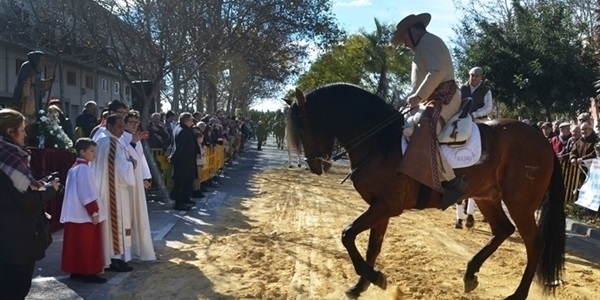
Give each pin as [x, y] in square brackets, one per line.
[352, 15]
[355, 14]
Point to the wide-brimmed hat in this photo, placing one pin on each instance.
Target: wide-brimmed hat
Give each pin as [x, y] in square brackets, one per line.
[564, 124]
[406, 23]
[546, 124]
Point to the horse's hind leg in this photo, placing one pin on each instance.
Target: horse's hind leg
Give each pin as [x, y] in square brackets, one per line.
[501, 227]
[528, 229]
[373, 250]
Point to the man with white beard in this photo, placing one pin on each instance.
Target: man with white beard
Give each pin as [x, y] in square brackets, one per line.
[141, 236]
[114, 169]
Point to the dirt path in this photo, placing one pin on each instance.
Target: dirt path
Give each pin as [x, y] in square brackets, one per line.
[284, 243]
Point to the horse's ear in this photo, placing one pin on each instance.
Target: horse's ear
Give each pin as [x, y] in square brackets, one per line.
[289, 102]
[300, 98]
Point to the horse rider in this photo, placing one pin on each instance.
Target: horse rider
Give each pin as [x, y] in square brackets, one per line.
[433, 81]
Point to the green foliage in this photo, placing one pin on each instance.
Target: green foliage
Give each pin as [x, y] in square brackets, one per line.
[367, 60]
[535, 60]
[343, 63]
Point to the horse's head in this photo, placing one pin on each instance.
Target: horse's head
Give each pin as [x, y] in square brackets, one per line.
[307, 134]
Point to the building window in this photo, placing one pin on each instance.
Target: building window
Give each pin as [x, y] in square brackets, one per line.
[127, 90]
[71, 78]
[104, 85]
[117, 88]
[89, 82]
[18, 62]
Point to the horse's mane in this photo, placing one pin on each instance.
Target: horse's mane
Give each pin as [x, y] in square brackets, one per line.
[345, 111]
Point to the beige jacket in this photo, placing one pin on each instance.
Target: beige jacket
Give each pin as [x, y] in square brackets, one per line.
[431, 66]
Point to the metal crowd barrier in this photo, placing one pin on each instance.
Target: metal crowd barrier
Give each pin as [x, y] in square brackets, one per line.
[215, 160]
[572, 180]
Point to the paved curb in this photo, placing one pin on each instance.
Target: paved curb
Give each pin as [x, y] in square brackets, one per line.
[583, 229]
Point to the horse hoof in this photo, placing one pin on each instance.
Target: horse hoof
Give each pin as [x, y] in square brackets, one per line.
[290, 166]
[470, 221]
[381, 280]
[353, 292]
[299, 165]
[471, 284]
[515, 297]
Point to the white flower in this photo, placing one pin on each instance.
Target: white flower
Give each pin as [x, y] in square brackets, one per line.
[44, 119]
[51, 131]
[42, 112]
[55, 146]
[55, 127]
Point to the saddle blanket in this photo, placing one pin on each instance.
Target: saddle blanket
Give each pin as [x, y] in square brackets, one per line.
[459, 156]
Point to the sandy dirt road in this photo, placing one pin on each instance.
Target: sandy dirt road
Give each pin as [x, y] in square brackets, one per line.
[281, 240]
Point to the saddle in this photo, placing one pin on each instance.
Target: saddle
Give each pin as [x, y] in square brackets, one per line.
[456, 132]
[458, 129]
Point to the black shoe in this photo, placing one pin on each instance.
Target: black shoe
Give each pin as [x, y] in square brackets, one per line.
[189, 202]
[181, 207]
[453, 190]
[458, 224]
[94, 279]
[75, 276]
[470, 221]
[118, 265]
[197, 194]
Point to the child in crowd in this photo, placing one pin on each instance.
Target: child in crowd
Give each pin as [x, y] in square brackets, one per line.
[81, 213]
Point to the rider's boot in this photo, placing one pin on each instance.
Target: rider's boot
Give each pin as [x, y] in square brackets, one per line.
[453, 190]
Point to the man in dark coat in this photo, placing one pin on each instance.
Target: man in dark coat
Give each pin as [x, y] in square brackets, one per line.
[261, 134]
[88, 119]
[183, 158]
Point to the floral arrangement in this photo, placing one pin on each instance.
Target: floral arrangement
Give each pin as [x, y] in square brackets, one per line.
[50, 133]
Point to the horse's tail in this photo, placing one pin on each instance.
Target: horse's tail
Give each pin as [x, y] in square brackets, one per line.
[552, 229]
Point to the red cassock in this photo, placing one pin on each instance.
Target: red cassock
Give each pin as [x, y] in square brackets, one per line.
[82, 246]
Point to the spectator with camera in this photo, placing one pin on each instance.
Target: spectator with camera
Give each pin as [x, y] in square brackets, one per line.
[22, 204]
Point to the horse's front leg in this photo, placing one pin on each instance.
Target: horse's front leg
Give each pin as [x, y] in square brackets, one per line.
[373, 217]
[373, 250]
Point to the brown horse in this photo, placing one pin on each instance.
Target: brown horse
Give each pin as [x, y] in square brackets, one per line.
[517, 166]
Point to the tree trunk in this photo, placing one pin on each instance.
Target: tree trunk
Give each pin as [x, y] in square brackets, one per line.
[176, 87]
[382, 84]
[199, 104]
[211, 103]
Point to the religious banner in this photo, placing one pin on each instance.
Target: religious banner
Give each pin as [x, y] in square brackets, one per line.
[589, 193]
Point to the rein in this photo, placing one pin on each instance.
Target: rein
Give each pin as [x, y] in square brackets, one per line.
[371, 132]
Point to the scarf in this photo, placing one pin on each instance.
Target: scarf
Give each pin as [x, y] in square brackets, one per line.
[14, 162]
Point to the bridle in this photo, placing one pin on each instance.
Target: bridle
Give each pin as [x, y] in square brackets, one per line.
[325, 157]
[320, 156]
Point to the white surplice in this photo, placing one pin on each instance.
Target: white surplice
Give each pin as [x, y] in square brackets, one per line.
[124, 178]
[141, 235]
[80, 190]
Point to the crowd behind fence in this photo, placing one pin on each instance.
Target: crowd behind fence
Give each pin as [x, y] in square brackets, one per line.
[216, 157]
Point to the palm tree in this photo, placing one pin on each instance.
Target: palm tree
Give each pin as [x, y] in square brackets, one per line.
[383, 59]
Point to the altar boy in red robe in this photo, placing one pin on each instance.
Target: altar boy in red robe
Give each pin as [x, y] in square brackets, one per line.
[82, 254]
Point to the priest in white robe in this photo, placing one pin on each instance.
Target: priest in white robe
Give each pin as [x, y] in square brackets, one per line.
[141, 235]
[114, 170]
